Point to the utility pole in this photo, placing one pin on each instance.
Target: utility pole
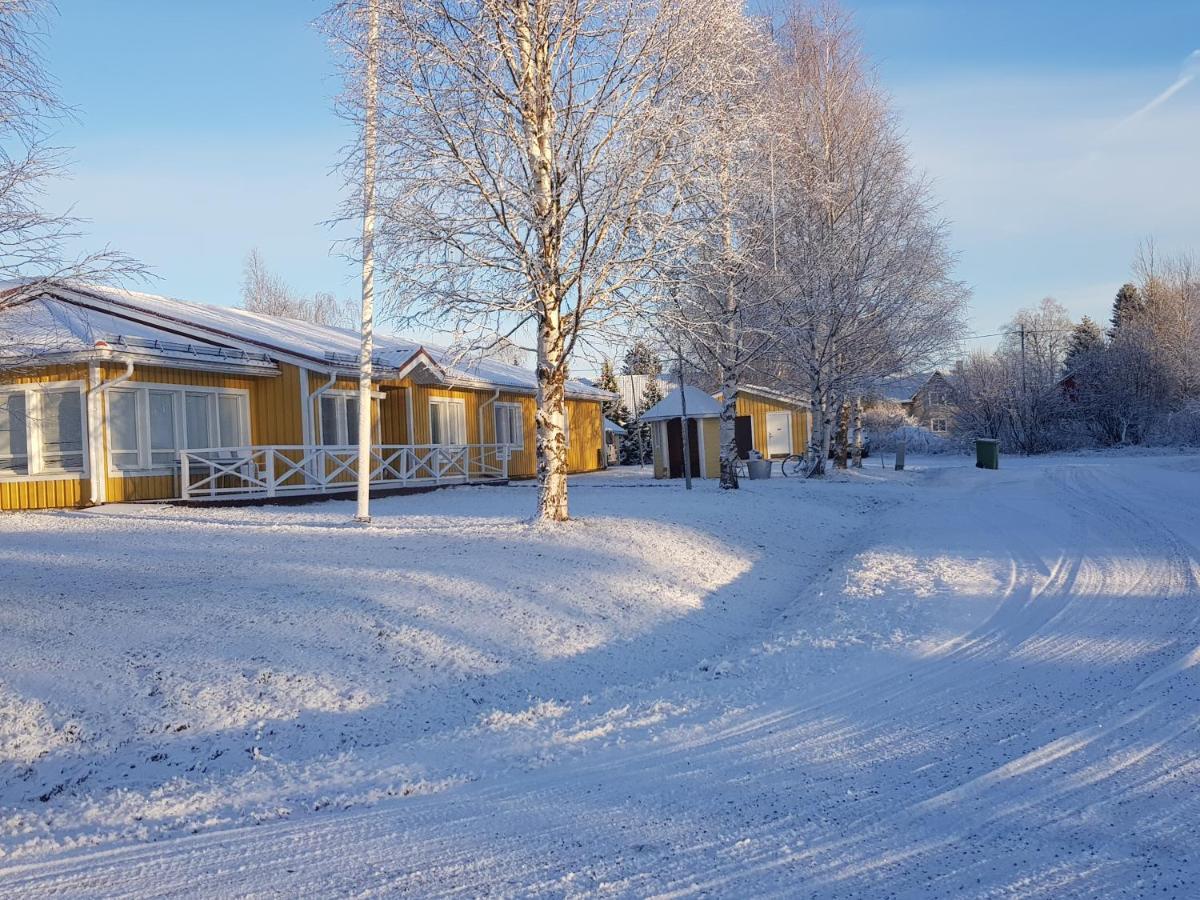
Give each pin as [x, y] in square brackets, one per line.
[1023, 389]
[365, 374]
[687, 440]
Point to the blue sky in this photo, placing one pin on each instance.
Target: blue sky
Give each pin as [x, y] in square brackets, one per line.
[206, 129]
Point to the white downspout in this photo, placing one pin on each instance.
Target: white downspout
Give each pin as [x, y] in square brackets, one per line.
[96, 431]
[410, 423]
[314, 402]
[306, 410]
[482, 406]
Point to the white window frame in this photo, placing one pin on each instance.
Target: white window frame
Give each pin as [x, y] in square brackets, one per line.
[448, 401]
[342, 424]
[513, 411]
[142, 390]
[35, 469]
[933, 425]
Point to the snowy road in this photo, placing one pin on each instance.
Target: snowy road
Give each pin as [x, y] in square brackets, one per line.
[981, 684]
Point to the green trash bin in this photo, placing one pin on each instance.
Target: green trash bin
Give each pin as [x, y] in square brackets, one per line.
[987, 453]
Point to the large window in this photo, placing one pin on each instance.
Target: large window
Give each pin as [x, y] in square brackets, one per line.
[339, 420]
[14, 430]
[447, 421]
[147, 426]
[42, 430]
[510, 426]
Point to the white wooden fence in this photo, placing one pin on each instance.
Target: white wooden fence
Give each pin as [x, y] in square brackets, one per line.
[278, 471]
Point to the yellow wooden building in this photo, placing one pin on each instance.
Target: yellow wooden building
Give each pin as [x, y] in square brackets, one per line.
[111, 395]
[772, 423]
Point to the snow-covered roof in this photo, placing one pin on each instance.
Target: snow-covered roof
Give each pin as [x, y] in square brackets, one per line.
[317, 346]
[47, 327]
[699, 405]
[773, 394]
[613, 428]
[901, 388]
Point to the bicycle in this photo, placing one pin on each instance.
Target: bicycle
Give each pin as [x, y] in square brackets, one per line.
[799, 465]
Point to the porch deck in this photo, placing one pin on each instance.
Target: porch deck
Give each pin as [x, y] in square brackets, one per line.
[241, 474]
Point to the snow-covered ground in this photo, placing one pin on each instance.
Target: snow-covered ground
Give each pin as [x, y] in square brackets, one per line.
[941, 682]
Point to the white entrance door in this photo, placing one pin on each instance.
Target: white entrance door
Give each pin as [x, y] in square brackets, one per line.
[779, 433]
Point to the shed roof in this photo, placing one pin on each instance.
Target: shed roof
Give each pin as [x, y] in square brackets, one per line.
[773, 394]
[700, 405]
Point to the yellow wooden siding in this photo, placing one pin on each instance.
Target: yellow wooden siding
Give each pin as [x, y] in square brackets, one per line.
[712, 447]
[757, 407]
[392, 414]
[522, 463]
[46, 493]
[587, 436]
[586, 424]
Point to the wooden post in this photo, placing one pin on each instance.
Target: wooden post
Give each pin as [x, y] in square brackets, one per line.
[185, 476]
[270, 451]
[687, 440]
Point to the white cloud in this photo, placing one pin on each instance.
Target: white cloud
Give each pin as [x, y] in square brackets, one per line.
[1043, 195]
[1188, 74]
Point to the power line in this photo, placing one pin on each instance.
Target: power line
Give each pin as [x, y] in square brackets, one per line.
[1017, 330]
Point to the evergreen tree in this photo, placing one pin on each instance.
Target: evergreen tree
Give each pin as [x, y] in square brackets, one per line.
[614, 410]
[641, 360]
[651, 396]
[1127, 306]
[1086, 339]
[636, 446]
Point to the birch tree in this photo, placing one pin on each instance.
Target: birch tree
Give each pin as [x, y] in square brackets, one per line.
[521, 155]
[264, 291]
[720, 305]
[871, 293]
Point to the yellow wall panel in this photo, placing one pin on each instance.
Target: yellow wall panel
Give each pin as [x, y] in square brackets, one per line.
[712, 447]
[756, 406]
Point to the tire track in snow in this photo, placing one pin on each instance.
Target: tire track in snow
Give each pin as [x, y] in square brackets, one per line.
[1036, 755]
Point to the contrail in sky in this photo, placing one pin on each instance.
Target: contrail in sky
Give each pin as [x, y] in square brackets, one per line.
[1189, 73]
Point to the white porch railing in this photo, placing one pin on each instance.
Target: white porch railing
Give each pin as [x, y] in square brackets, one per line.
[277, 471]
